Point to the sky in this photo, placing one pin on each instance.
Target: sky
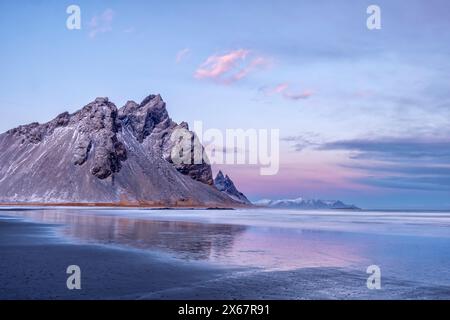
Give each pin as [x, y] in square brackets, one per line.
[363, 114]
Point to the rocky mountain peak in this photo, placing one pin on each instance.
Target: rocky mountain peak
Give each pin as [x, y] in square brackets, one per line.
[104, 154]
[220, 178]
[101, 100]
[184, 125]
[153, 98]
[142, 118]
[151, 125]
[97, 124]
[226, 185]
[101, 114]
[35, 132]
[224, 182]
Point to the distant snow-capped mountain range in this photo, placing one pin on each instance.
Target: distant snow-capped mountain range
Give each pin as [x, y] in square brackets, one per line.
[302, 203]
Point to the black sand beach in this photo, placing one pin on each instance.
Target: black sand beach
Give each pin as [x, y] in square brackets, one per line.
[33, 266]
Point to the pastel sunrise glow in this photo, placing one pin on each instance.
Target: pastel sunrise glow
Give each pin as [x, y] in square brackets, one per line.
[364, 116]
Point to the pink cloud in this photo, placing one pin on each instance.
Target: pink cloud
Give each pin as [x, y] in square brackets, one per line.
[281, 87]
[254, 65]
[182, 54]
[101, 23]
[230, 67]
[283, 90]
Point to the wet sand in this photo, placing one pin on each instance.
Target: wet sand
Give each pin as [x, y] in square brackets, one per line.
[34, 260]
[33, 266]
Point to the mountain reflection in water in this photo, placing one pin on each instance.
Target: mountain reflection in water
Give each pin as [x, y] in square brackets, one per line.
[226, 244]
[187, 240]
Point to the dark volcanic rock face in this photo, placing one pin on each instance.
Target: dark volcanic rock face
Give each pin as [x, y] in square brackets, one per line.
[226, 185]
[143, 118]
[104, 154]
[150, 123]
[197, 170]
[34, 132]
[98, 126]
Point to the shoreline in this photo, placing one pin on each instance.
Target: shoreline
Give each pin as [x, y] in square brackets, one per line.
[142, 205]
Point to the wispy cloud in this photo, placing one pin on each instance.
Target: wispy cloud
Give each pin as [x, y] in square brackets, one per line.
[390, 149]
[298, 96]
[278, 89]
[254, 65]
[417, 181]
[303, 141]
[406, 163]
[398, 163]
[214, 149]
[182, 54]
[101, 23]
[284, 90]
[230, 67]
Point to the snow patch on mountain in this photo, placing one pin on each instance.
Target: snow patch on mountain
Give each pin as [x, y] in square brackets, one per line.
[302, 203]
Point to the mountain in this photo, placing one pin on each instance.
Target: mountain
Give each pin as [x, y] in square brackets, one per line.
[307, 204]
[102, 154]
[226, 185]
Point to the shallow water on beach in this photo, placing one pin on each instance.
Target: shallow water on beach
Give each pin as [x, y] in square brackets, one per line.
[409, 246]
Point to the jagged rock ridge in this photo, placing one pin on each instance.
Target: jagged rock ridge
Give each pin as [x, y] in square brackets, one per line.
[104, 154]
[226, 185]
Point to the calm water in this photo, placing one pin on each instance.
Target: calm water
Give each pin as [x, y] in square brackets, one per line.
[408, 246]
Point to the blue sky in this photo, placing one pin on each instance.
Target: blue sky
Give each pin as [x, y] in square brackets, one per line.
[364, 115]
